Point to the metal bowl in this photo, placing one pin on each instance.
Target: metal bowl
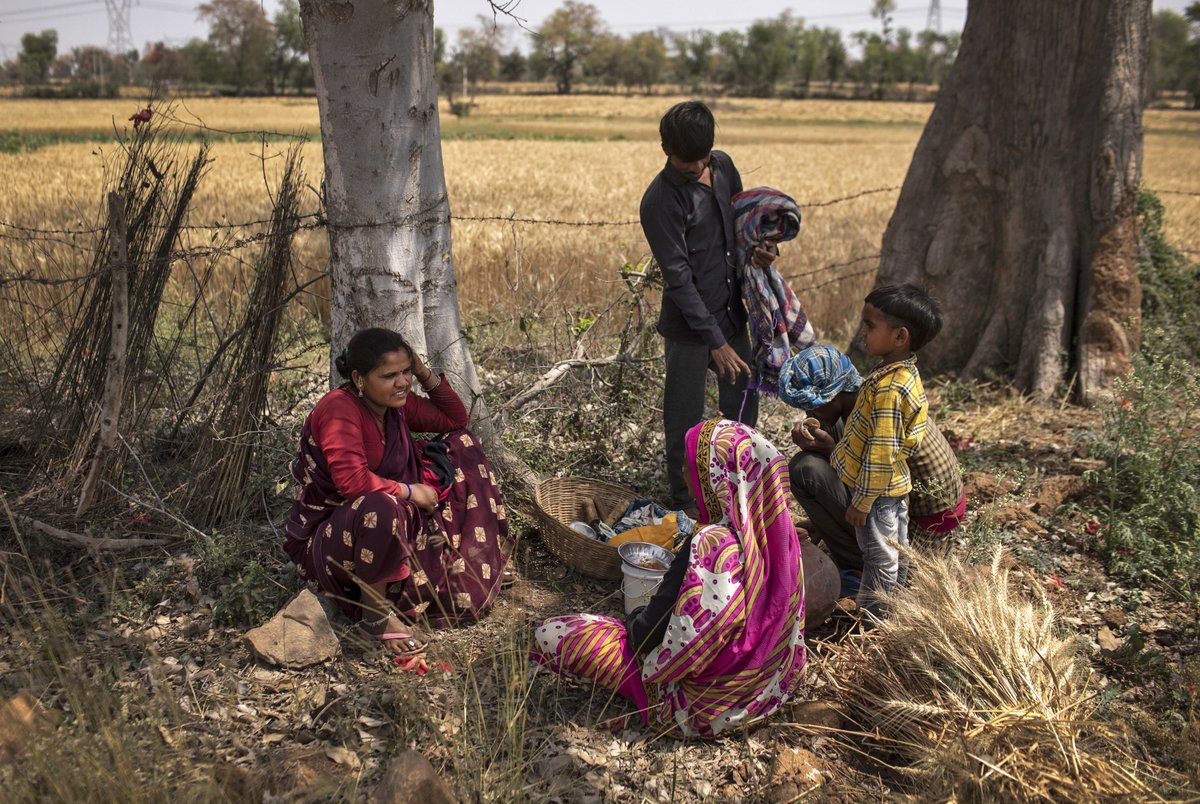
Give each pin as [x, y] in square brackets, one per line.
[638, 554]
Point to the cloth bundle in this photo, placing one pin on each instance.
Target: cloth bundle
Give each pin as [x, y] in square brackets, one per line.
[778, 324]
[647, 521]
[437, 469]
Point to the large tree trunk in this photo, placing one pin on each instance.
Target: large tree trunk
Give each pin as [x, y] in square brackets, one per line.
[1018, 211]
[385, 190]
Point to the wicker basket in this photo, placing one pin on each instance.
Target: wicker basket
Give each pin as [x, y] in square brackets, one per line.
[560, 501]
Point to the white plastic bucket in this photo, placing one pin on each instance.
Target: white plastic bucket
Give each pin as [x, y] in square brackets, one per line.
[639, 583]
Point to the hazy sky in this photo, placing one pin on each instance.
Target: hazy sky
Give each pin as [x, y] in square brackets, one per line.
[85, 22]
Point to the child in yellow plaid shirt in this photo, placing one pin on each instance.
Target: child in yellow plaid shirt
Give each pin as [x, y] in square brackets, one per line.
[882, 432]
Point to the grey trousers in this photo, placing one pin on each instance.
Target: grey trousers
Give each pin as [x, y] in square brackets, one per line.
[683, 403]
[823, 496]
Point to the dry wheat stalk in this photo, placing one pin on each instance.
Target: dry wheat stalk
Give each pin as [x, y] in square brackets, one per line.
[969, 685]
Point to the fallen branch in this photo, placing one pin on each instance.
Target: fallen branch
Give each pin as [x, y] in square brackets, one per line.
[87, 541]
[556, 373]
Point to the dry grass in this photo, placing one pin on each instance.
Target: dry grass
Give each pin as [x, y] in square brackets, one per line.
[574, 158]
[975, 691]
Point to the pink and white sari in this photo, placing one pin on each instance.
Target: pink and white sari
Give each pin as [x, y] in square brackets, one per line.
[734, 647]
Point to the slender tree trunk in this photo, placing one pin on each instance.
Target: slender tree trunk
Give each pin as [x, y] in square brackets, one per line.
[1018, 210]
[390, 262]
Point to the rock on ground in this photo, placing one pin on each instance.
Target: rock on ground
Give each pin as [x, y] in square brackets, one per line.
[298, 636]
[21, 718]
[411, 778]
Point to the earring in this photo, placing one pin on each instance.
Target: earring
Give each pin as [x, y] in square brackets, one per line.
[360, 392]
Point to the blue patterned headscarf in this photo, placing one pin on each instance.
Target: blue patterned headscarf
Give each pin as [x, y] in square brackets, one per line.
[814, 376]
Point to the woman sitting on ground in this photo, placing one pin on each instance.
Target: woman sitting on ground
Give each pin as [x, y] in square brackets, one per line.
[397, 530]
[721, 643]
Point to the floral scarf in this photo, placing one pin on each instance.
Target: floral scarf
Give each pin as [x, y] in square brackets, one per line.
[734, 648]
[778, 324]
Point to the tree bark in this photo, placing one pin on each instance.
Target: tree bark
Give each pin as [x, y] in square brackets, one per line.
[1018, 211]
[390, 262]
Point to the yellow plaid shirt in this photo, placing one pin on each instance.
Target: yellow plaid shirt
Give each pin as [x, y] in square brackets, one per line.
[884, 429]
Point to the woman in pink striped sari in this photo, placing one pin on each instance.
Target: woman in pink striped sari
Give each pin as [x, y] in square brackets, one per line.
[721, 645]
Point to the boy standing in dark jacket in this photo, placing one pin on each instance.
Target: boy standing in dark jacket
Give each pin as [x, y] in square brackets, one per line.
[688, 221]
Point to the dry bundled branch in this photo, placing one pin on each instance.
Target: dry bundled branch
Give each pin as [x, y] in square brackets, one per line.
[222, 462]
[972, 688]
[157, 197]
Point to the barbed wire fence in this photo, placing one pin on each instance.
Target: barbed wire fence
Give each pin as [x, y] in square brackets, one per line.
[316, 221]
[42, 300]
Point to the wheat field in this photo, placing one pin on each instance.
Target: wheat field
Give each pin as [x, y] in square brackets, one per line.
[573, 159]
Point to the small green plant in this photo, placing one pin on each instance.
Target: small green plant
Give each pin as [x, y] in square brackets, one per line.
[1170, 285]
[245, 590]
[145, 592]
[1150, 484]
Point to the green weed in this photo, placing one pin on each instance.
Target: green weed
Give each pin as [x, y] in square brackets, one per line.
[1170, 284]
[246, 590]
[1150, 485]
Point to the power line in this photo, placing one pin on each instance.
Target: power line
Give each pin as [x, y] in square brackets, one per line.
[166, 7]
[54, 7]
[708, 24]
[56, 16]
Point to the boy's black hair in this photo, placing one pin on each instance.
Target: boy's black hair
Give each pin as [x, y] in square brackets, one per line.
[366, 349]
[687, 130]
[911, 307]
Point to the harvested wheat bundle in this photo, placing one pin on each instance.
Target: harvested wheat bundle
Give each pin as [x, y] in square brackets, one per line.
[968, 685]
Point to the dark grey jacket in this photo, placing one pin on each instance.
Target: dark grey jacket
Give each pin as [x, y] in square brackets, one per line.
[690, 231]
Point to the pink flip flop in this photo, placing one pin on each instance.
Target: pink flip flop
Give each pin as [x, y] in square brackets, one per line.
[411, 645]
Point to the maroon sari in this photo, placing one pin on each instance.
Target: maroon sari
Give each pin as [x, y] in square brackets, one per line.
[442, 568]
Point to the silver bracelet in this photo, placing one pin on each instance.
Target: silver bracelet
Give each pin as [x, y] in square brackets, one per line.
[435, 385]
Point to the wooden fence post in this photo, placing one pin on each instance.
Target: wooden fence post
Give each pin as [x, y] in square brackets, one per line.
[114, 379]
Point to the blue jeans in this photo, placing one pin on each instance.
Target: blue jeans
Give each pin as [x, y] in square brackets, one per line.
[880, 541]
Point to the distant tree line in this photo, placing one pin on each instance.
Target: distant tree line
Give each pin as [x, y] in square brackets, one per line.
[1175, 53]
[781, 56]
[246, 52]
